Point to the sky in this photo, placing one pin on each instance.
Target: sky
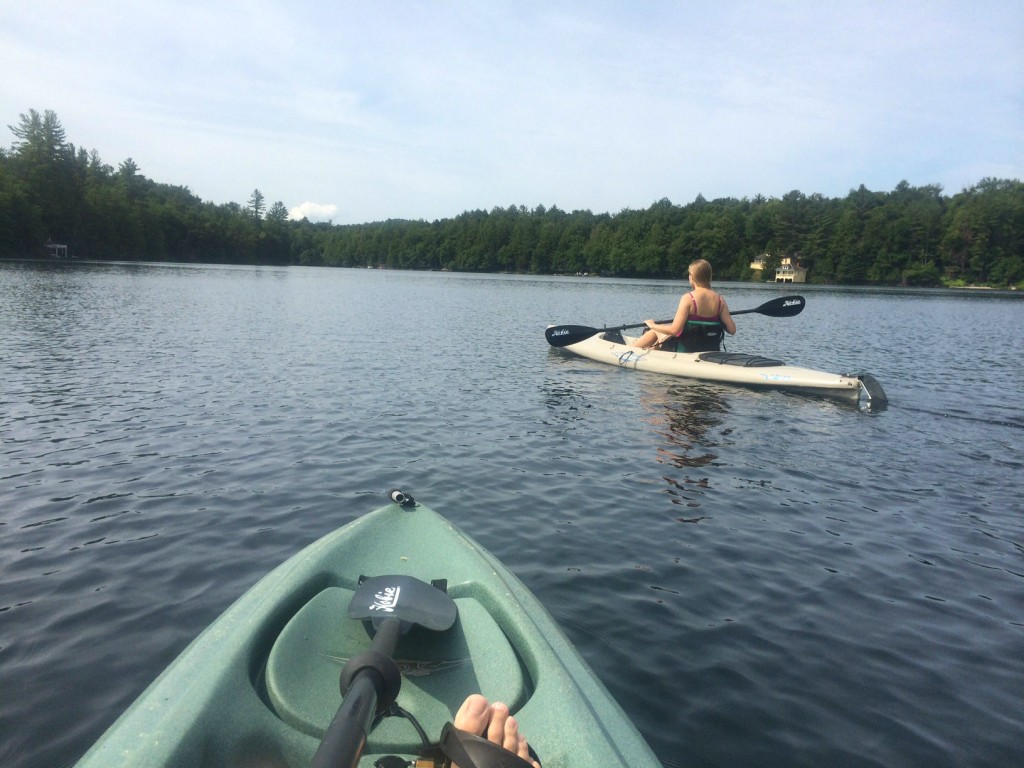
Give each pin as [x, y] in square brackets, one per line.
[356, 112]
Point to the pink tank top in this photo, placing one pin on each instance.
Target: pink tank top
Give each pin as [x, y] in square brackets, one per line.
[695, 316]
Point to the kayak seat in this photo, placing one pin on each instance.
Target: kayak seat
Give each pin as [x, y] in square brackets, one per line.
[740, 359]
[700, 336]
[439, 669]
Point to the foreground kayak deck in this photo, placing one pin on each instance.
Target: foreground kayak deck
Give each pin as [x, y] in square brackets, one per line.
[260, 685]
[732, 368]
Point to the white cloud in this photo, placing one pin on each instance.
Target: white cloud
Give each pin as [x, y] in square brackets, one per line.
[313, 211]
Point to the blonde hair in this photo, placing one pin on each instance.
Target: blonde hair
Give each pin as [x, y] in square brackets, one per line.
[700, 271]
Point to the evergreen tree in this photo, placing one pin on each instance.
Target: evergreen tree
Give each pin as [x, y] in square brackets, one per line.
[257, 204]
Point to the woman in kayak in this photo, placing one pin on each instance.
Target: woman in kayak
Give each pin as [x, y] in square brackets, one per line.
[700, 319]
[493, 722]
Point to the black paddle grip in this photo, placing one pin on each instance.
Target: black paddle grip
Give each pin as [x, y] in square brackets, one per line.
[383, 666]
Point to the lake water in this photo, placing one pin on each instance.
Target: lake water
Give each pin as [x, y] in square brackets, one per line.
[758, 578]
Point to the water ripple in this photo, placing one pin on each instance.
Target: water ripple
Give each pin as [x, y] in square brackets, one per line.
[758, 578]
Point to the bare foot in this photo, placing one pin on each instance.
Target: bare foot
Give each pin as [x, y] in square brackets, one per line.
[494, 723]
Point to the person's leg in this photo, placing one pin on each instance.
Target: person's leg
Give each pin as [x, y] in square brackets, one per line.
[493, 722]
[649, 338]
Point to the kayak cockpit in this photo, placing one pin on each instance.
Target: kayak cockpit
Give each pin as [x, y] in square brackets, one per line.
[438, 669]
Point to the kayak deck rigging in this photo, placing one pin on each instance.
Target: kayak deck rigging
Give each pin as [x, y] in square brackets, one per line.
[739, 358]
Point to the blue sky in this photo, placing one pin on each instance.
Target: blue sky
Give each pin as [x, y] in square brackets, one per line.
[365, 111]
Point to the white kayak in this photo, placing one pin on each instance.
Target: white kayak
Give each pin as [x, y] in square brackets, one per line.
[732, 368]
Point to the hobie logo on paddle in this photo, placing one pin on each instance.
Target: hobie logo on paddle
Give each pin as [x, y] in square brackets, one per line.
[793, 303]
[386, 600]
[560, 332]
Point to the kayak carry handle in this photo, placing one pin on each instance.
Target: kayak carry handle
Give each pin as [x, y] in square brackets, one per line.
[401, 498]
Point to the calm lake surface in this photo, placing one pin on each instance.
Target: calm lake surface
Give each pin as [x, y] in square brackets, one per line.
[758, 578]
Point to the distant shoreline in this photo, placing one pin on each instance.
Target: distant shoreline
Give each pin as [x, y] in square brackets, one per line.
[996, 291]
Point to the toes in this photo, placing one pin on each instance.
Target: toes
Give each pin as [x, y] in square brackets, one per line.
[493, 722]
[512, 737]
[522, 749]
[496, 727]
[473, 715]
[504, 730]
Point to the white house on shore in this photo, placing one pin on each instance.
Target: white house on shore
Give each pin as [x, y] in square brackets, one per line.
[788, 271]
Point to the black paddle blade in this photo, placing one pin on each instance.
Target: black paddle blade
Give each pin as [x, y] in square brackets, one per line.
[564, 335]
[784, 306]
[405, 598]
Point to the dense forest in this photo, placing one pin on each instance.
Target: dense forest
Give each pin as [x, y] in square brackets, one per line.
[51, 191]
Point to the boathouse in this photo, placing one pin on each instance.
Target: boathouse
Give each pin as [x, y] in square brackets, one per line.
[788, 271]
[57, 250]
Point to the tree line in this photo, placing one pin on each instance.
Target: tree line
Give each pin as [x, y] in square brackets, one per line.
[51, 191]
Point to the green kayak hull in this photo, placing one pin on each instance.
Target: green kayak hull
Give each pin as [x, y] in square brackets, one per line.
[259, 686]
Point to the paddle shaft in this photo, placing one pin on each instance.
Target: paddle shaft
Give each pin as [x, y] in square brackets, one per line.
[564, 335]
[345, 737]
[664, 323]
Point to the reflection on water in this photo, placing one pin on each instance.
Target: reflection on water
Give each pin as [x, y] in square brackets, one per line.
[689, 418]
[689, 414]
